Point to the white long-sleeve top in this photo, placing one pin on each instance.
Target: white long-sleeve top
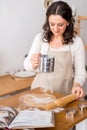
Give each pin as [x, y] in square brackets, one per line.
[77, 52]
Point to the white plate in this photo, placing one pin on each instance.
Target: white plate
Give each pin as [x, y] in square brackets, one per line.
[25, 74]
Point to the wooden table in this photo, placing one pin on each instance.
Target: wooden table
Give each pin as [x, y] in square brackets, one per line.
[10, 85]
[61, 123]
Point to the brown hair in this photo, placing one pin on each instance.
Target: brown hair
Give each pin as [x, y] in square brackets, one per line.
[63, 9]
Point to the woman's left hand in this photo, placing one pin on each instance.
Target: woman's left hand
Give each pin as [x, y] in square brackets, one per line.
[78, 90]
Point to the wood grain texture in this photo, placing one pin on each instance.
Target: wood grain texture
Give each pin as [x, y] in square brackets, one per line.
[61, 123]
[10, 85]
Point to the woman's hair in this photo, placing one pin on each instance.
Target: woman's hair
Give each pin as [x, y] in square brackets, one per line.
[63, 9]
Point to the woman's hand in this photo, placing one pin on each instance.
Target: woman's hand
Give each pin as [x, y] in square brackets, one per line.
[35, 60]
[78, 90]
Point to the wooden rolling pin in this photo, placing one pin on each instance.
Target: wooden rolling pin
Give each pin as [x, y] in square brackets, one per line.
[61, 102]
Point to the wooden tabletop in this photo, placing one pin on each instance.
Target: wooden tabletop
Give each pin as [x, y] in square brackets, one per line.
[9, 84]
[61, 123]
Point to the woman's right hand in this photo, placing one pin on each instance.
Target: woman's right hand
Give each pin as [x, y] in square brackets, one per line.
[35, 60]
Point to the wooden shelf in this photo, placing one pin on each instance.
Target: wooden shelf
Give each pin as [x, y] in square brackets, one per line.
[78, 23]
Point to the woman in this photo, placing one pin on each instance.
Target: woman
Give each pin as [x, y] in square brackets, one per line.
[59, 39]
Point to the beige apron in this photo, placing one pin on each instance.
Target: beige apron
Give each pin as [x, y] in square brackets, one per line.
[61, 79]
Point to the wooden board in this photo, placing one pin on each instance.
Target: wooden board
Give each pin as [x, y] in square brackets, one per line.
[9, 85]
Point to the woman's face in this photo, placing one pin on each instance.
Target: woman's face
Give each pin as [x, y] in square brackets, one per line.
[57, 25]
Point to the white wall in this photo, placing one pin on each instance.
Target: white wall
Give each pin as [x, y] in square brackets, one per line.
[20, 20]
